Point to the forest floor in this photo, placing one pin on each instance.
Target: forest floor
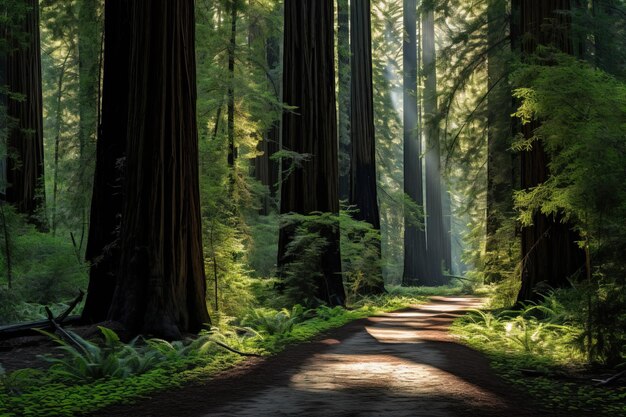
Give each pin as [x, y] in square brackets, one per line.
[403, 363]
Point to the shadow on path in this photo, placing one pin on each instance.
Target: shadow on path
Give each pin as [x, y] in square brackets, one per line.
[398, 364]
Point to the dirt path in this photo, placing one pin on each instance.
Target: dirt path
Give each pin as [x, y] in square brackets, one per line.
[399, 364]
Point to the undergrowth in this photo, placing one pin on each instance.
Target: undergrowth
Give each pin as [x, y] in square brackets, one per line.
[540, 348]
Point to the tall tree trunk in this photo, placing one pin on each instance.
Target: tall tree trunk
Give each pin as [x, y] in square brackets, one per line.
[161, 285]
[25, 168]
[309, 86]
[549, 251]
[88, 67]
[500, 162]
[103, 246]
[434, 210]
[343, 96]
[415, 271]
[363, 180]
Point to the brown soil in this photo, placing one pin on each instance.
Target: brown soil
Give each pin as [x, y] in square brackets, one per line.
[399, 364]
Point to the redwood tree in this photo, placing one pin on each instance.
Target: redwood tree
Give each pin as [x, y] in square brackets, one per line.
[161, 281]
[550, 253]
[25, 169]
[435, 232]
[414, 236]
[311, 129]
[107, 199]
[363, 182]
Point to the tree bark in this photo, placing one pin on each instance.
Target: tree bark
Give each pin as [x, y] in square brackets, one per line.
[414, 237]
[434, 209]
[25, 167]
[550, 254]
[343, 96]
[103, 246]
[363, 180]
[161, 283]
[309, 86]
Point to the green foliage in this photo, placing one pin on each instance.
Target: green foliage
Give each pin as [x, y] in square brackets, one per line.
[87, 361]
[49, 270]
[302, 272]
[238, 242]
[542, 337]
[329, 313]
[33, 311]
[263, 245]
[582, 112]
[538, 340]
[360, 253]
[44, 269]
[291, 159]
[542, 332]
[70, 40]
[275, 323]
[361, 258]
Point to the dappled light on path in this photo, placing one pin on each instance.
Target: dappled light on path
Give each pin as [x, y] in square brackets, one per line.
[399, 364]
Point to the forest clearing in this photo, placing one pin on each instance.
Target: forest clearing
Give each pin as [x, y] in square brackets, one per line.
[312, 207]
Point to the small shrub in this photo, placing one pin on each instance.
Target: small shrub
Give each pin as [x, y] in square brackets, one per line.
[270, 322]
[361, 256]
[327, 313]
[86, 361]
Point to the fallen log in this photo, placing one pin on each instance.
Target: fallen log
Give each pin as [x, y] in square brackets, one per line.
[27, 329]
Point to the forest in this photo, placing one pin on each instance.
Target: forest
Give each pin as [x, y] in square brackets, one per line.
[312, 207]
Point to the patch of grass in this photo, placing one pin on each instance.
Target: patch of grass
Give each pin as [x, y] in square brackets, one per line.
[39, 394]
